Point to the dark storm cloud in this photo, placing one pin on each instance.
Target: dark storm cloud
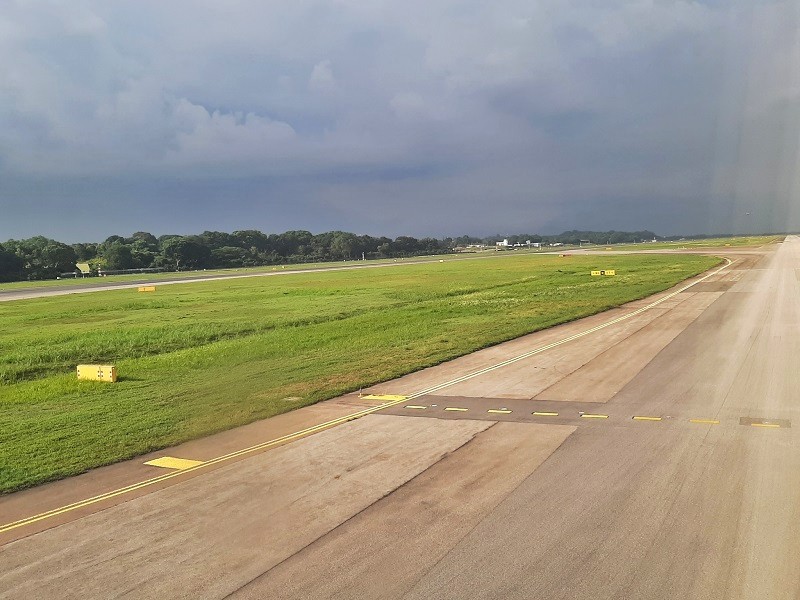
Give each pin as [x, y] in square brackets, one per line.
[422, 117]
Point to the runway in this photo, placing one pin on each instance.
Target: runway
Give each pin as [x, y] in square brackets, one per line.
[648, 452]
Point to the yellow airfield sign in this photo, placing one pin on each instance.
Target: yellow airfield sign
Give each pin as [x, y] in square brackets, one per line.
[97, 372]
[606, 273]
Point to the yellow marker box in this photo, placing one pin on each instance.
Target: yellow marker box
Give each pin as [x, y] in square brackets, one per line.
[147, 288]
[607, 273]
[97, 373]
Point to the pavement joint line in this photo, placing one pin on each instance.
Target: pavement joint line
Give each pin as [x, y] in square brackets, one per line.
[642, 418]
[328, 424]
[567, 339]
[544, 414]
[593, 416]
[456, 408]
[705, 421]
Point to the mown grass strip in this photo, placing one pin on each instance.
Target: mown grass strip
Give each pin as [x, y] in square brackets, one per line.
[205, 357]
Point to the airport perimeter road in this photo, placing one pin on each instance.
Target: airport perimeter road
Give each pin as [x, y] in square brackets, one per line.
[649, 452]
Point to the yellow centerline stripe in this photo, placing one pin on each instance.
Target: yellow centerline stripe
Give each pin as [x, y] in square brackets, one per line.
[771, 425]
[591, 416]
[498, 411]
[416, 406]
[310, 430]
[638, 418]
[545, 414]
[565, 340]
[167, 476]
[706, 421]
[457, 409]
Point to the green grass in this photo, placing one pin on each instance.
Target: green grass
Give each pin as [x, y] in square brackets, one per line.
[738, 241]
[175, 275]
[202, 357]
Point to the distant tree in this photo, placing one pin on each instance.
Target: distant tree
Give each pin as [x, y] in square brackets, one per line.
[11, 265]
[186, 253]
[113, 238]
[118, 256]
[85, 252]
[343, 245]
[147, 239]
[251, 239]
[42, 257]
[229, 256]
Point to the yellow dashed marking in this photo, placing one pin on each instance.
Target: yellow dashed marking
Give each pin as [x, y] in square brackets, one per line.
[545, 414]
[384, 397]
[638, 418]
[455, 408]
[705, 421]
[169, 462]
[591, 416]
[498, 411]
[771, 425]
[416, 407]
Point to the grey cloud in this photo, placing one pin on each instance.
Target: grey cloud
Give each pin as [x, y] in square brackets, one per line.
[673, 116]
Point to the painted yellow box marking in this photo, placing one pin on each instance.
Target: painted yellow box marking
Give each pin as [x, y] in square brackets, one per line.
[97, 372]
[147, 288]
[591, 416]
[455, 408]
[170, 462]
[705, 421]
[498, 411]
[383, 397]
[639, 418]
[416, 406]
[545, 414]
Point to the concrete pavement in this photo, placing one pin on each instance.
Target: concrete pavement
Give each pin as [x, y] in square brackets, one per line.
[699, 499]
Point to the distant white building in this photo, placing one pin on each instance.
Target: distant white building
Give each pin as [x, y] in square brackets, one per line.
[503, 244]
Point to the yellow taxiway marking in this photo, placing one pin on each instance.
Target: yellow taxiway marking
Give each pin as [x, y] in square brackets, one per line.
[638, 418]
[567, 339]
[416, 407]
[705, 421]
[771, 425]
[169, 462]
[358, 414]
[177, 473]
[499, 411]
[591, 416]
[384, 397]
[544, 414]
[455, 408]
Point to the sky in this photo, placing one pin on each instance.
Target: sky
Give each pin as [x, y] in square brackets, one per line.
[422, 117]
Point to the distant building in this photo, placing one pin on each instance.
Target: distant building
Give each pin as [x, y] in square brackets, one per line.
[503, 244]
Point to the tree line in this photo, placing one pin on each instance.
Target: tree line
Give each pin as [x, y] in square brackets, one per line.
[43, 258]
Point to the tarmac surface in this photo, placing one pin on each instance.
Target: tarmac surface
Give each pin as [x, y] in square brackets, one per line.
[648, 452]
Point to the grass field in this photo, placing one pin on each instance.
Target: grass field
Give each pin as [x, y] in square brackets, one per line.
[175, 275]
[198, 358]
[738, 242]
